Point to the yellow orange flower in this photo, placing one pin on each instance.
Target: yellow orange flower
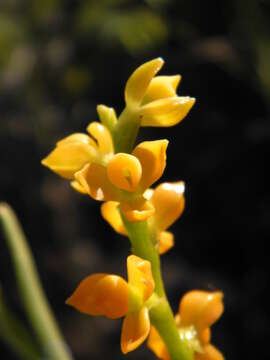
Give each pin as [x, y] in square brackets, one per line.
[94, 168]
[198, 310]
[167, 200]
[155, 98]
[111, 296]
[125, 177]
[75, 151]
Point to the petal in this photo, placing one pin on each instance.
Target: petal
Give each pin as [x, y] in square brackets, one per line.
[166, 242]
[111, 214]
[140, 276]
[101, 294]
[77, 138]
[67, 159]
[152, 156]
[169, 202]
[124, 171]
[78, 187]
[210, 353]
[166, 112]
[139, 80]
[135, 329]
[137, 211]
[201, 309]
[102, 136]
[107, 116]
[161, 87]
[93, 179]
[205, 336]
[156, 344]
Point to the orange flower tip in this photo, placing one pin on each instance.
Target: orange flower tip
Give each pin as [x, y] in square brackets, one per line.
[160, 60]
[176, 80]
[94, 125]
[44, 162]
[209, 353]
[219, 303]
[205, 336]
[110, 212]
[48, 164]
[201, 308]
[135, 330]
[101, 295]
[178, 187]
[218, 295]
[184, 101]
[101, 108]
[78, 187]
[69, 301]
[191, 101]
[165, 143]
[166, 242]
[139, 80]
[156, 344]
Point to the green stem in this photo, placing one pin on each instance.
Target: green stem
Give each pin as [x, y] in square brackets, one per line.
[32, 294]
[160, 313]
[163, 320]
[142, 246]
[15, 335]
[126, 131]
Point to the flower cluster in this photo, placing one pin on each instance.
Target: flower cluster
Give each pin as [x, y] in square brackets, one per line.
[90, 161]
[106, 165]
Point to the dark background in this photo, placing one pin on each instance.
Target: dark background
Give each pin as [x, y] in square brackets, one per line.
[58, 60]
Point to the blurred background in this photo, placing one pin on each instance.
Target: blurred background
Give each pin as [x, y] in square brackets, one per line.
[58, 60]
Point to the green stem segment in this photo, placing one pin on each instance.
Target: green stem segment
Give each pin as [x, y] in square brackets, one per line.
[163, 320]
[142, 246]
[160, 313]
[32, 294]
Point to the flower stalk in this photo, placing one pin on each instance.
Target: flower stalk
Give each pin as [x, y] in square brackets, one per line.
[163, 320]
[142, 246]
[160, 313]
